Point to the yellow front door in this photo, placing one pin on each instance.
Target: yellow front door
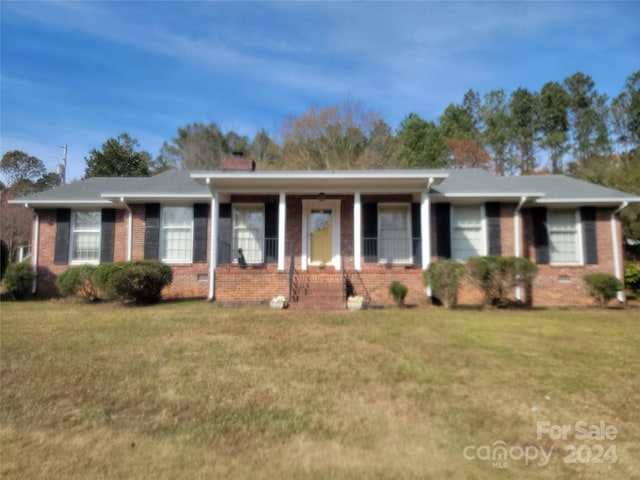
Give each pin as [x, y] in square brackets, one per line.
[320, 236]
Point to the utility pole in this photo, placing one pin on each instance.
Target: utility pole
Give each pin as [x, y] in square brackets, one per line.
[62, 167]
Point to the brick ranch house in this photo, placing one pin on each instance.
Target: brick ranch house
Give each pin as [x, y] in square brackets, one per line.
[316, 236]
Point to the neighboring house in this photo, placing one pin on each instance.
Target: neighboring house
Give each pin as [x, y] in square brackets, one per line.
[316, 236]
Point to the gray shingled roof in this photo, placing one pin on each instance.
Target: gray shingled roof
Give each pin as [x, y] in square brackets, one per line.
[102, 190]
[466, 183]
[172, 183]
[85, 191]
[475, 182]
[561, 188]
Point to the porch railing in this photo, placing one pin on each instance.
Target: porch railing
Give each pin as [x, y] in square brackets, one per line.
[392, 250]
[255, 251]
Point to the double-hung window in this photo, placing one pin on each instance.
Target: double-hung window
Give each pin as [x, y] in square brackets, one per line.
[176, 240]
[85, 237]
[394, 233]
[564, 236]
[468, 234]
[248, 232]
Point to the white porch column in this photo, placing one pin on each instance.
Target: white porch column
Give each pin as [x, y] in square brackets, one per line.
[282, 218]
[617, 260]
[213, 261]
[357, 232]
[425, 232]
[425, 229]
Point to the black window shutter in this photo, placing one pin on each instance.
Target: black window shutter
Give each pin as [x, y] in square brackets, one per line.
[63, 230]
[152, 231]
[271, 232]
[540, 234]
[107, 234]
[589, 238]
[443, 229]
[225, 234]
[416, 234]
[492, 211]
[200, 223]
[370, 231]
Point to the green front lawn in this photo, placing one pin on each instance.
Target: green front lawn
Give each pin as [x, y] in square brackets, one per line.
[190, 390]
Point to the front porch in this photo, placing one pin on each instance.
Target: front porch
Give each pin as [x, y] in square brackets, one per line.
[334, 246]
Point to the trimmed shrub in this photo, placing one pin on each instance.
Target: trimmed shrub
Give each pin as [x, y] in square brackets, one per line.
[105, 276]
[140, 282]
[18, 279]
[632, 277]
[78, 281]
[398, 292]
[498, 277]
[444, 277]
[602, 286]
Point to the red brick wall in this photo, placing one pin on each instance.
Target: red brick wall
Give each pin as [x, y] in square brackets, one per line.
[554, 285]
[188, 279]
[252, 284]
[563, 285]
[47, 271]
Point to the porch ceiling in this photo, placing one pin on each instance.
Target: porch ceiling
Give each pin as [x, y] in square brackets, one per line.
[379, 181]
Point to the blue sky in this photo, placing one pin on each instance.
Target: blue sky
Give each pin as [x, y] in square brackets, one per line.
[78, 73]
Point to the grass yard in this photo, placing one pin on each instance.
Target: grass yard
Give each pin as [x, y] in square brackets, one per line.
[191, 390]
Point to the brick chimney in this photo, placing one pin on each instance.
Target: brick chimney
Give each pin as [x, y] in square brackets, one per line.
[237, 162]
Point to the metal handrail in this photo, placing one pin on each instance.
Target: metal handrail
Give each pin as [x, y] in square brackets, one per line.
[292, 272]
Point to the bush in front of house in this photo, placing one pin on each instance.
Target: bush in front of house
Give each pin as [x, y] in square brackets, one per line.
[444, 277]
[603, 287]
[78, 281]
[497, 277]
[18, 280]
[398, 292]
[632, 277]
[140, 282]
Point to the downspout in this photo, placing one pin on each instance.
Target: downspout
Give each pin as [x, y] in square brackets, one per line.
[129, 230]
[213, 260]
[616, 250]
[517, 239]
[34, 261]
[425, 222]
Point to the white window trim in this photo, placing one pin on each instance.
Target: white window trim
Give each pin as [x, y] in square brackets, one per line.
[72, 239]
[175, 261]
[579, 245]
[407, 207]
[483, 230]
[233, 231]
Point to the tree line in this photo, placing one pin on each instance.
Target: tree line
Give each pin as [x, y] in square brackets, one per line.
[566, 127]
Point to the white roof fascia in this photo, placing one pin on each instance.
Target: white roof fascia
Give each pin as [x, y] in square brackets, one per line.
[56, 203]
[289, 190]
[585, 200]
[321, 175]
[122, 197]
[487, 195]
[315, 182]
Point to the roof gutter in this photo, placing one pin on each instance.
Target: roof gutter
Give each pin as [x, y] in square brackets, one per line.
[617, 265]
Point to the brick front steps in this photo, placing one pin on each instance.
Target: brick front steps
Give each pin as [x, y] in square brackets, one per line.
[319, 292]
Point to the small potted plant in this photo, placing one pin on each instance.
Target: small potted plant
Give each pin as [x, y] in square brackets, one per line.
[355, 302]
